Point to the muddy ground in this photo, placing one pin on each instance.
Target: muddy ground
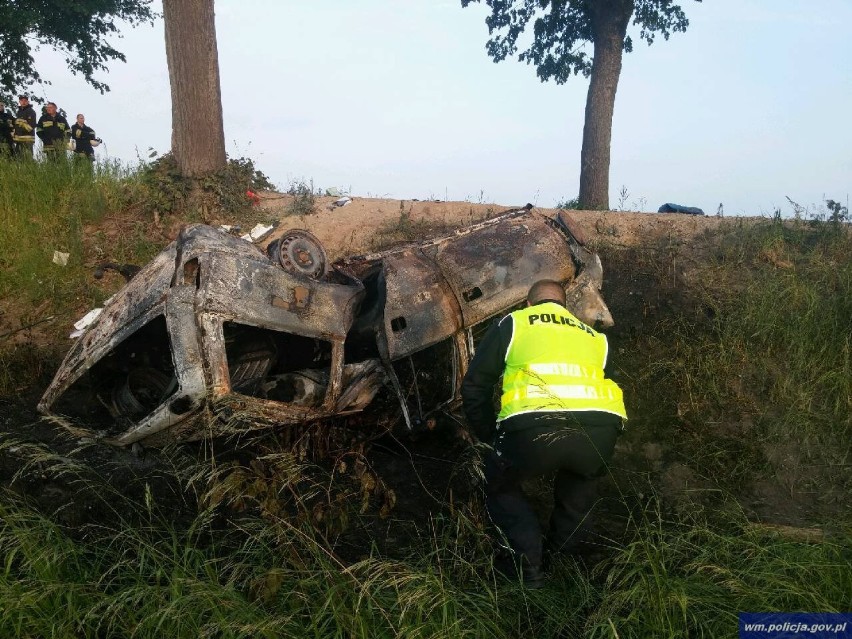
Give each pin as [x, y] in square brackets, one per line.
[419, 475]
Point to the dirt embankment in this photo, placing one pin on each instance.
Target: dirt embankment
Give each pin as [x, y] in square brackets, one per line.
[365, 224]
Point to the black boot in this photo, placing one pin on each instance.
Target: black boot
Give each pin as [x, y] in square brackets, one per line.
[531, 576]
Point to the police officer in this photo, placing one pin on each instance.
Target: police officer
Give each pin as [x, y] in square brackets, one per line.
[7, 124]
[53, 131]
[25, 123]
[558, 412]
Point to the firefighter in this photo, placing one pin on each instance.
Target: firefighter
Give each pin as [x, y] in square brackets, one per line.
[25, 123]
[83, 136]
[53, 131]
[558, 412]
[7, 124]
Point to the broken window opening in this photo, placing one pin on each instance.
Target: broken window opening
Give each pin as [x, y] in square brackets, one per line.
[427, 378]
[192, 273]
[398, 324]
[472, 294]
[126, 385]
[361, 339]
[275, 365]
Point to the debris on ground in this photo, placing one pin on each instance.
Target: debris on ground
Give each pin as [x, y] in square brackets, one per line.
[668, 207]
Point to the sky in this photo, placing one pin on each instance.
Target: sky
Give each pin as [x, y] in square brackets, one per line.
[395, 99]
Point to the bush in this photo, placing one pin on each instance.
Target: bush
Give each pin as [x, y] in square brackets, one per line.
[165, 191]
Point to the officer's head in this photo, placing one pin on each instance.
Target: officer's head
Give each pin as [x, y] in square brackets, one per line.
[50, 107]
[546, 291]
[81, 119]
[23, 100]
[2, 107]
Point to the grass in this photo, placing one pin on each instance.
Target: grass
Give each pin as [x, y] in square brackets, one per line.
[687, 577]
[46, 207]
[735, 357]
[248, 572]
[92, 213]
[742, 367]
[136, 570]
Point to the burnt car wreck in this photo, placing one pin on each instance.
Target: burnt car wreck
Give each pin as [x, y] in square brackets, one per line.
[216, 336]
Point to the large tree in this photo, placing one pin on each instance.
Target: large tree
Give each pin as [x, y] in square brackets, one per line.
[198, 138]
[561, 29]
[77, 28]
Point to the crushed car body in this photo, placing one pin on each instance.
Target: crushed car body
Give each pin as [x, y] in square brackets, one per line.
[216, 335]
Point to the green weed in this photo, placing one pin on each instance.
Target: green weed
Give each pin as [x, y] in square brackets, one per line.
[304, 198]
[742, 366]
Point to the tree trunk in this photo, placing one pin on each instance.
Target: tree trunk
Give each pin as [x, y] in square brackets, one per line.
[609, 22]
[198, 137]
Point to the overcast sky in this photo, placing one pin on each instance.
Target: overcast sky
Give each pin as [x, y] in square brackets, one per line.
[399, 99]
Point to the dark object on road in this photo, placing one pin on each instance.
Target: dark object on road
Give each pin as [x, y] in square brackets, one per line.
[216, 336]
[668, 207]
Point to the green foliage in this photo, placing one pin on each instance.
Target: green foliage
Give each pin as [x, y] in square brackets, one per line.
[837, 212]
[749, 379]
[259, 572]
[561, 28]
[247, 570]
[46, 207]
[77, 29]
[569, 205]
[688, 577]
[166, 191]
[738, 364]
[304, 198]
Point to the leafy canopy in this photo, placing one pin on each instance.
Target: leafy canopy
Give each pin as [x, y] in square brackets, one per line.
[77, 28]
[562, 27]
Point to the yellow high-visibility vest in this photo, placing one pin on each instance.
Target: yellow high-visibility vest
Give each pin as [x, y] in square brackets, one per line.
[555, 362]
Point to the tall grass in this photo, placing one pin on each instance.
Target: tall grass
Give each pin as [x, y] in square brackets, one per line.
[751, 377]
[687, 577]
[140, 572]
[45, 207]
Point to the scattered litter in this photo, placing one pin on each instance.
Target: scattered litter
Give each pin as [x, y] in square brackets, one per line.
[258, 232]
[60, 258]
[333, 191]
[341, 202]
[233, 229]
[668, 207]
[84, 322]
[253, 197]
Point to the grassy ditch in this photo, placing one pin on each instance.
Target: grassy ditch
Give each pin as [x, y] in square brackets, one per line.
[242, 569]
[734, 352]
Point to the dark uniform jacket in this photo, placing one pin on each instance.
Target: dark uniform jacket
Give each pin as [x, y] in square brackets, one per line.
[7, 124]
[52, 129]
[25, 122]
[82, 136]
[477, 389]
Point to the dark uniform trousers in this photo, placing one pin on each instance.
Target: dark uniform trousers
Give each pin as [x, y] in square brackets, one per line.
[577, 446]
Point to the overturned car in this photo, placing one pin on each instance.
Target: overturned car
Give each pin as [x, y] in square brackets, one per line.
[216, 336]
